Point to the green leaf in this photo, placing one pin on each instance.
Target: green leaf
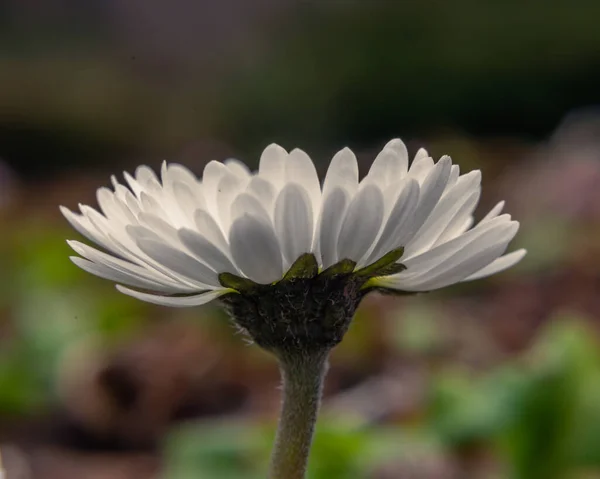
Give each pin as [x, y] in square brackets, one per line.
[305, 266]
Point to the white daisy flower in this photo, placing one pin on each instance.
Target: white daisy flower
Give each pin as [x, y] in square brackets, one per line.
[169, 241]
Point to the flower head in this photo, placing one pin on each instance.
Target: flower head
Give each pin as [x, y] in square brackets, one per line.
[183, 241]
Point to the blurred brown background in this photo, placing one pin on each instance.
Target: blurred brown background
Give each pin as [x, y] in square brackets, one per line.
[495, 379]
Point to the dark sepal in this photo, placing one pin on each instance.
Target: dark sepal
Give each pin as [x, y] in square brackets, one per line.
[384, 266]
[243, 285]
[305, 267]
[346, 266]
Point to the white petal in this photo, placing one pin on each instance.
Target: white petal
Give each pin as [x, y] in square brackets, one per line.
[85, 227]
[467, 191]
[391, 164]
[465, 259]
[461, 221]
[238, 168]
[145, 176]
[501, 264]
[431, 191]
[151, 205]
[293, 221]
[420, 167]
[133, 184]
[342, 171]
[483, 232]
[300, 169]
[249, 204]
[174, 172]
[125, 267]
[106, 272]
[179, 262]
[188, 198]
[208, 227]
[264, 191]
[159, 227]
[334, 209]
[255, 249]
[112, 207]
[205, 251]
[175, 301]
[272, 164]
[394, 231]
[462, 266]
[128, 198]
[230, 186]
[107, 229]
[213, 172]
[399, 147]
[453, 178]
[495, 211]
[421, 153]
[361, 224]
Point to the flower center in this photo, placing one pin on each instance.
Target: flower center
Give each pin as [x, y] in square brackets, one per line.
[298, 314]
[305, 311]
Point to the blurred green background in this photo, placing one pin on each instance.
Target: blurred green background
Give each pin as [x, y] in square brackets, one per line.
[491, 380]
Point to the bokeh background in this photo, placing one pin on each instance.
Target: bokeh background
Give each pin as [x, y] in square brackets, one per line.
[491, 380]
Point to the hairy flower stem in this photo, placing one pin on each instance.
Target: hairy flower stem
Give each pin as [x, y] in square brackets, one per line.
[303, 374]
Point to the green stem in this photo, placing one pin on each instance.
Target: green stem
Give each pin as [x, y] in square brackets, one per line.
[303, 376]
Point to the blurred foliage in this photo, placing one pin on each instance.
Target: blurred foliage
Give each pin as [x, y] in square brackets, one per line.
[52, 307]
[540, 413]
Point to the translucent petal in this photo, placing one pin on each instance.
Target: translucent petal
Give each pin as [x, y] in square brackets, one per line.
[420, 168]
[466, 190]
[145, 176]
[332, 215]
[430, 258]
[179, 262]
[187, 201]
[175, 301]
[494, 212]
[272, 164]
[293, 221]
[230, 186]
[237, 168]
[390, 165]
[106, 272]
[421, 153]
[300, 169]
[206, 252]
[361, 224]
[175, 173]
[501, 264]
[117, 264]
[394, 230]
[463, 266]
[85, 227]
[255, 249]
[431, 191]
[249, 204]
[112, 207]
[161, 228]
[208, 227]
[213, 172]
[264, 191]
[342, 171]
[399, 147]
